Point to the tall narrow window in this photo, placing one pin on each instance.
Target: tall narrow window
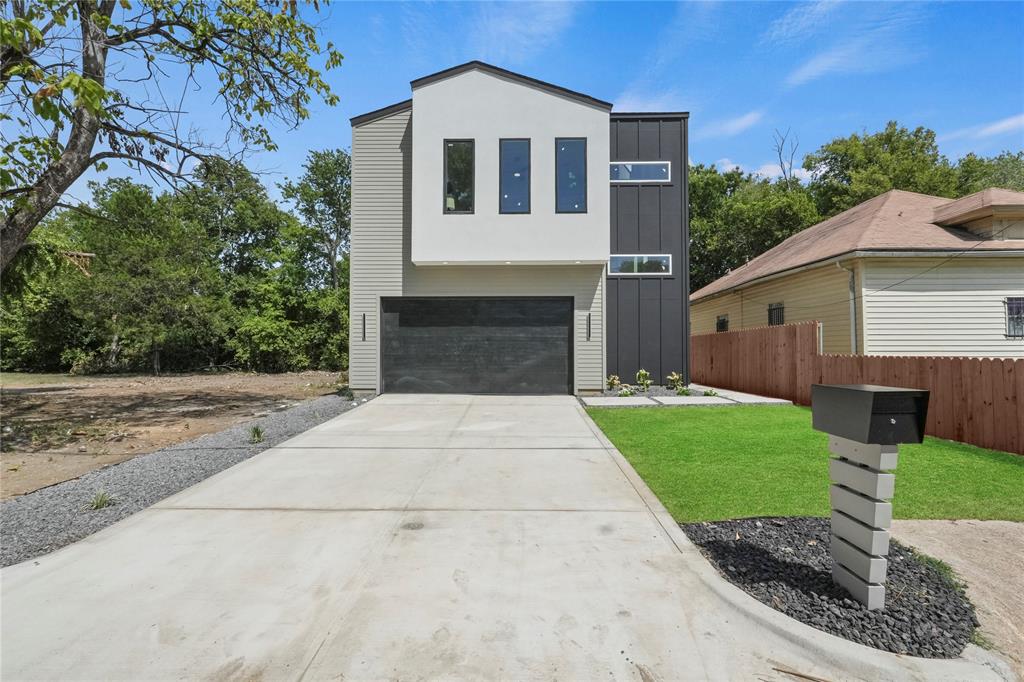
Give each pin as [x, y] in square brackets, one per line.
[776, 314]
[458, 176]
[1015, 317]
[514, 176]
[570, 175]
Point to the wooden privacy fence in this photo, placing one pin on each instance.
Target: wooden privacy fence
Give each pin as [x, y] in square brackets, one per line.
[973, 400]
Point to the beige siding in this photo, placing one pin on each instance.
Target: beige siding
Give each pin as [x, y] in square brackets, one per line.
[821, 294]
[912, 307]
[380, 198]
[381, 264]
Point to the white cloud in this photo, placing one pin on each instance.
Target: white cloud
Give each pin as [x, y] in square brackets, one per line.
[765, 170]
[729, 127]
[635, 100]
[1006, 125]
[1009, 124]
[799, 22]
[876, 39]
[513, 33]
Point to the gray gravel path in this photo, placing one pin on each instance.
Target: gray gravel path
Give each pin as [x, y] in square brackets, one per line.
[58, 515]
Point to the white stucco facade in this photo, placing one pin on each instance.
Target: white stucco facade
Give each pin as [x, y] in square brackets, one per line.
[486, 107]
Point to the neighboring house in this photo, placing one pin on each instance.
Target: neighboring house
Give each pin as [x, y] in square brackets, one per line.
[513, 236]
[901, 274]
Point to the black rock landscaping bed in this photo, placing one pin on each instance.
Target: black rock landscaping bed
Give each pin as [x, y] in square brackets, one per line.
[652, 392]
[786, 564]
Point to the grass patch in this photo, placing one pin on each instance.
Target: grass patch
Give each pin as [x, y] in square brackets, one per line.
[713, 463]
[100, 500]
[255, 434]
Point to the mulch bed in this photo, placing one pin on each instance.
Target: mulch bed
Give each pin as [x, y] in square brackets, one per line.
[786, 564]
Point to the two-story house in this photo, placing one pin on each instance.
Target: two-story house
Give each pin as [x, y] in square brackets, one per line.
[513, 236]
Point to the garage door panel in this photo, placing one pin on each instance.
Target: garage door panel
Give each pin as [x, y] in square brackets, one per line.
[477, 345]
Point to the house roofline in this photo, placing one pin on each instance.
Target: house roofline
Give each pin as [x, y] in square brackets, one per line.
[663, 115]
[511, 75]
[859, 253]
[380, 113]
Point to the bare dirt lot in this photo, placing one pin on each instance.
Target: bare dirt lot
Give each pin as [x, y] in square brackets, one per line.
[55, 427]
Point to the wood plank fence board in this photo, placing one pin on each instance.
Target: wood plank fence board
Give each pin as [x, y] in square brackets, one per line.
[973, 400]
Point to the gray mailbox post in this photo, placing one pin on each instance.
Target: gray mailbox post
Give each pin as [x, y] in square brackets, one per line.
[865, 424]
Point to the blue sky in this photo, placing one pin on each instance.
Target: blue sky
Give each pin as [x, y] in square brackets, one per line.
[743, 69]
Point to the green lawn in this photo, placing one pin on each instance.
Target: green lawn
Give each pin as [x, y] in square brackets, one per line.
[710, 463]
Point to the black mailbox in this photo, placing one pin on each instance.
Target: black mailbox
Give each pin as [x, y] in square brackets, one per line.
[882, 415]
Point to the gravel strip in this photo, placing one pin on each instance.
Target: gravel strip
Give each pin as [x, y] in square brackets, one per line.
[652, 392]
[786, 564]
[58, 515]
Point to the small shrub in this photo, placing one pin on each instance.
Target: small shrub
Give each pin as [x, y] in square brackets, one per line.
[255, 434]
[100, 500]
[613, 382]
[674, 380]
[683, 390]
[643, 379]
[626, 390]
[710, 392]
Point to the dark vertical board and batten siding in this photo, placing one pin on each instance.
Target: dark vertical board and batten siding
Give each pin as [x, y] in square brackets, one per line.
[648, 317]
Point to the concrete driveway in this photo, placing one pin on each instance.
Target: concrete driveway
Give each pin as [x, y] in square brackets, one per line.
[415, 537]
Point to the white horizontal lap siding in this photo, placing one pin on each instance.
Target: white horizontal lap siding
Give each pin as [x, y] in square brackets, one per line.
[584, 283]
[912, 307]
[380, 174]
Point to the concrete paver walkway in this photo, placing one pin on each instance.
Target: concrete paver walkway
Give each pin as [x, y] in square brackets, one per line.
[416, 537]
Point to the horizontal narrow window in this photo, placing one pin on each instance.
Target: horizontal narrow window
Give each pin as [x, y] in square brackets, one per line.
[1015, 317]
[776, 314]
[458, 176]
[514, 176]
[722, 323]
[570, 175]
[640, 265]
[641, 171]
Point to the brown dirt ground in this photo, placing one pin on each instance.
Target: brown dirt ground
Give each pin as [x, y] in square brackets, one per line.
[987, 556]
[56, 427]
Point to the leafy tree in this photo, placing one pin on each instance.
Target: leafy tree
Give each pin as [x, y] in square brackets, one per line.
[154, 295]
[71, 74]
[323, 199]
[737, 216]
[975, 173]
[851, 170]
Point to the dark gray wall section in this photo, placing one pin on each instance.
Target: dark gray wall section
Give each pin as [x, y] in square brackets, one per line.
[649, 317]
[477, 345]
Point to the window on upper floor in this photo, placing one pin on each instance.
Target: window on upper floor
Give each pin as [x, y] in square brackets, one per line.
[458, 176]
[635, 172]
[513, 175]
[639, 265]
[570, 175]
[722, 323]
[776, 314]
[1015, 317]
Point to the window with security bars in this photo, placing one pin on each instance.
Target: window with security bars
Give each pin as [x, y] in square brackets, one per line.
[722, 323]
[776, 314]
[1015, 317]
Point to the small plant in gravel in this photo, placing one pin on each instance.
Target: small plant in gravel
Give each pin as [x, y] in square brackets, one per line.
[674, 380]
[255, 434]
[613, 382]
[626, 391]
[101, 500]
[643, 379]
[683, 390]
[710, 392]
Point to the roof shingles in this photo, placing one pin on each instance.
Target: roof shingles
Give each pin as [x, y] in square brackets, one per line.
[894, 221]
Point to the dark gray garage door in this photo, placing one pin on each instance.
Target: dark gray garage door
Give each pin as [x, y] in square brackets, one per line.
[477, 345]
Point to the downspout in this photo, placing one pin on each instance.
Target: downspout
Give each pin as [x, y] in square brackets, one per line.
[853, 306]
